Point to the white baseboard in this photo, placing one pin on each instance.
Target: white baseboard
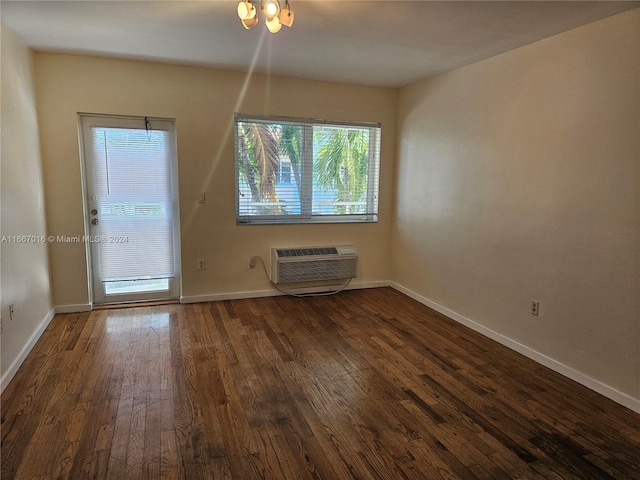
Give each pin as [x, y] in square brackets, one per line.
[80, 307]
[265, 293]
[15, 365]
[591, 383]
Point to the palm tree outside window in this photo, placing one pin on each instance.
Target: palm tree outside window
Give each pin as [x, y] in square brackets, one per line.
[291, 170]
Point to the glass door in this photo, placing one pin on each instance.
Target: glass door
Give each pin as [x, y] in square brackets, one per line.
[132, 208]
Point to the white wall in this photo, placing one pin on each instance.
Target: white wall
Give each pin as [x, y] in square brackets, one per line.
[24, 267]
[203, 102]
[518, 179]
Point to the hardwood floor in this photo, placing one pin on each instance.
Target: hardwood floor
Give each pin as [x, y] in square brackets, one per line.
[365, 384]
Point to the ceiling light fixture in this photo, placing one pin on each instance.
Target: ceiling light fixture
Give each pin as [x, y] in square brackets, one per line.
[275, 16]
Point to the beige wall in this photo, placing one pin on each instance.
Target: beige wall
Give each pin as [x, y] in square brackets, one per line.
[203, 102]
[518, 179]
[24, 267]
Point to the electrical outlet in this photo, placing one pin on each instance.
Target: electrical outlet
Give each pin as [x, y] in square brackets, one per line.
[201, 197]
[252, 262]
[535, 307]
[201, 264]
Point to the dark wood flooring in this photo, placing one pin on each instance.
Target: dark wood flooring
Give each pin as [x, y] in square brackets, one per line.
[366, 384]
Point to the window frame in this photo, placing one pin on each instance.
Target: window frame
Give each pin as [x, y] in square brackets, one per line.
[306, 195]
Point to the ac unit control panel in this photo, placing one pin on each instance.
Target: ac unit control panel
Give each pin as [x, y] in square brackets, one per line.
[346, 249]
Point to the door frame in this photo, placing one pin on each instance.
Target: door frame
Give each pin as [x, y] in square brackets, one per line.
[175, 288]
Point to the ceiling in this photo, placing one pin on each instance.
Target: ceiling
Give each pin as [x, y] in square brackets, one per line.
[383, 43]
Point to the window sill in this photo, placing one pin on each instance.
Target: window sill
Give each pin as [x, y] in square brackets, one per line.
[306, 221]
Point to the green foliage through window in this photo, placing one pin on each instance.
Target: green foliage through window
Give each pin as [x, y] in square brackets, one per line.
[298, 170]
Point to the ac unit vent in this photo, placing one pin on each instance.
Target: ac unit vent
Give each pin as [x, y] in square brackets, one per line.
[309, 264]
[306, 252]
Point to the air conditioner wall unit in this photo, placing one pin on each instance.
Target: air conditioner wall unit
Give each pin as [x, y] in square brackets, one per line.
[312, 264]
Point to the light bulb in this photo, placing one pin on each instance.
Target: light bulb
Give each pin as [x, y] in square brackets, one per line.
[274, 25]
[246, 10]
[252, 11]
[243, 10]
[271, 8]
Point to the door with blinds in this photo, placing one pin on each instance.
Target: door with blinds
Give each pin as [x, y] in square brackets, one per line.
[132, 208]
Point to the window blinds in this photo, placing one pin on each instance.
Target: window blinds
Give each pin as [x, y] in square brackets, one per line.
[305, 170]
[133, 193]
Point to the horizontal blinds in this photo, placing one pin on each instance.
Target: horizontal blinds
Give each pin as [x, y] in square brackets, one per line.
[305, 171]
[280, 119]
[134, 201]
[345, 170]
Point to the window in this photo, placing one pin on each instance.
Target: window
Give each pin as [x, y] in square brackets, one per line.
[292, 170]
